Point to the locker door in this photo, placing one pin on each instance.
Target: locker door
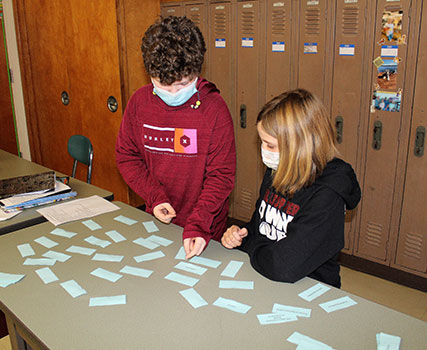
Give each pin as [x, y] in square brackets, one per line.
[412, 240]
[197, 12]
[279, 47]
[315, 18]
[384, 130]
[349, 76]
[172, 9]
[250, 84]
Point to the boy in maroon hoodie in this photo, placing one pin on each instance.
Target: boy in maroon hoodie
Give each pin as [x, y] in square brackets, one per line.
[175, 146]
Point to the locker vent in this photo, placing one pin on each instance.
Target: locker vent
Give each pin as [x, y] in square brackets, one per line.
[246, 200]
[278, 21]
[350, 21]
[248, 22]
[195, 17]
[312, 21]
[220, 23]
[373, 234]
[413, 246]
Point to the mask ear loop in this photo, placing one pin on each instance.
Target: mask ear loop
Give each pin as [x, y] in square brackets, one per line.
[198, 103]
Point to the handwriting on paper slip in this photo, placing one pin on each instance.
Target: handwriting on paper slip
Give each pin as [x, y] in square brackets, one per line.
[314, 292]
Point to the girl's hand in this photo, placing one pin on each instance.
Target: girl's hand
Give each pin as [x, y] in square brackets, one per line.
[233, 237]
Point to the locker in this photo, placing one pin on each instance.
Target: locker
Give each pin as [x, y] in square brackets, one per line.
[172, 9]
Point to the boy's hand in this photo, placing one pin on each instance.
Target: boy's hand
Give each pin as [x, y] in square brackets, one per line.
[164, 212]
[233, 237]
[194, 246]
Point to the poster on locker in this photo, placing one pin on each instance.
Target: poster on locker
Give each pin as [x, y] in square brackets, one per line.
[392, 26]
[387, 75]
[388, 101]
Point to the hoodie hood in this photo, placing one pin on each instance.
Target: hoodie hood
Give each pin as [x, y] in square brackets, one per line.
[340, 177]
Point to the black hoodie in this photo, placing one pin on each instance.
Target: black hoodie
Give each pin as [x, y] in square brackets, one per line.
[290, 239]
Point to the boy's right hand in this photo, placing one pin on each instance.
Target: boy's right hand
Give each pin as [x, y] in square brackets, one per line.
[164, 212]
[233, 237]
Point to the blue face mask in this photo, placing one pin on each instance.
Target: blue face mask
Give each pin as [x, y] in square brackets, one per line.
[178, 98]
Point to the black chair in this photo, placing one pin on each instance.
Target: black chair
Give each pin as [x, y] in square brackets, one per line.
[80, 148]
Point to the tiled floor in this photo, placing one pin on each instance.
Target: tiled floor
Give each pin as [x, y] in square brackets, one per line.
[392, 295]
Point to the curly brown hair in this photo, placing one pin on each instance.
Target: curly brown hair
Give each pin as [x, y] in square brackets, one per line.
[173, 48]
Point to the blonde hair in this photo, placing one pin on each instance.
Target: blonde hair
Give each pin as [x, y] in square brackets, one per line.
[305, 135]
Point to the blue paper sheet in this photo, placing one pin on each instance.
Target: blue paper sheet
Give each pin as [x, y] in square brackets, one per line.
[115, 236]
[92, 225]
[62, 233]
[40, 261]
[45, 242]
[205, 261]
[73, 288]
[105, 274]
[107, 257]
[181, 254]
[136, 271]
[6, 279]
[56, 256]
[108, 301]
[232, 269]
[46, 275]
[80, 250]
[232, 305]
[98, 242]
[185, 266]
[150, 226]
[149, 256]
[193, 298]
[146, 243]
[177, 277]
[125, 220]
[160, 240]
[26, 250]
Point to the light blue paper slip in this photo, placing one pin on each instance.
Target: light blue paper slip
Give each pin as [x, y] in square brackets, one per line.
[92, 225]
[193, 298]
[6, 279]
[108, 301]
[185, 266]
[98, 242]
[115, 236]
[338, 304]
[56, 256]
[45, 242]
[106, 275]
[160, 240]
[125, 220]
[62, 233]
[107, 257]
[298, 338]
[275, 318]
[73, 288]
[312, 293]
[387, 341]
[230, 284]
[177, 277]
[25, 250]
[40, 261]
[181, 254]
[46, 275]
[80, 250]
[297, 311]
[135, 271]
[205, 261]
[232, 268]
[232, 305]
[150, 226]
[149, 256]
[146, 243]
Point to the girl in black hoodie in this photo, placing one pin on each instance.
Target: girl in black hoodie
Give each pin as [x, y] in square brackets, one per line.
[297, 228]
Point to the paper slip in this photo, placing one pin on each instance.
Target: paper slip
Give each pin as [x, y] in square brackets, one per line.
[232, 268]
[232, 305]
[105, 274]
[45, 242]
[150, 226]
[115, 236]
[297, 311]
[5, 216]
[108, 301]
[193, 298]
[181, 254]
[62, 233]
[107, 257]
[146, 243]
[77, 209]
[387, 341]
[198, 270]
[275, 318]
[98, 242]
[6, 279]
[80, 250]
[149, 256]
[56, 256]
[338, 304]
[160, 240]
[177, 277]
[73, 288]
[125, 220]
[135, 271]
[41, 261]
[312, 293]
[298, 338]
[46, 275]
[25, 250]
[92, 225]
[205, 261]
[229, 284]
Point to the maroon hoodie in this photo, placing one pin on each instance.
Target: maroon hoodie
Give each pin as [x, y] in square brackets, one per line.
[182, 155]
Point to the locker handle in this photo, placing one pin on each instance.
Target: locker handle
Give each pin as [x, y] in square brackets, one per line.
[378, 129]
[339, 124]
[420, 136]
[243, 116]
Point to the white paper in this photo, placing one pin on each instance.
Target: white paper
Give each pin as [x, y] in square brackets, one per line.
[25, 250]
[46, 275]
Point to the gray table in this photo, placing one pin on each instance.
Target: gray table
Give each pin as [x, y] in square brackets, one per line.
[156, 316]
[13, 166]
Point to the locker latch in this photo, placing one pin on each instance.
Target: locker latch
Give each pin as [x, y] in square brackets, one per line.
[243, 116]
[378, 129]
[339, 124]
[420, 136]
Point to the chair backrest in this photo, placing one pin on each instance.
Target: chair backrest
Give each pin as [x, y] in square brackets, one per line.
[80, 148]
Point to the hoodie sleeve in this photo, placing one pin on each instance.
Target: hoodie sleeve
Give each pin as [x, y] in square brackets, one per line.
[132, 164]
[315, 236]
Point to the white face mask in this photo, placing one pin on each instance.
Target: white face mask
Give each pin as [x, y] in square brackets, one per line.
[270, 159]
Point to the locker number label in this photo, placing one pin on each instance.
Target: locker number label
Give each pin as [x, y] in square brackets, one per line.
[278, 46]
[346, 50]
[247, 42]
[220, 43]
